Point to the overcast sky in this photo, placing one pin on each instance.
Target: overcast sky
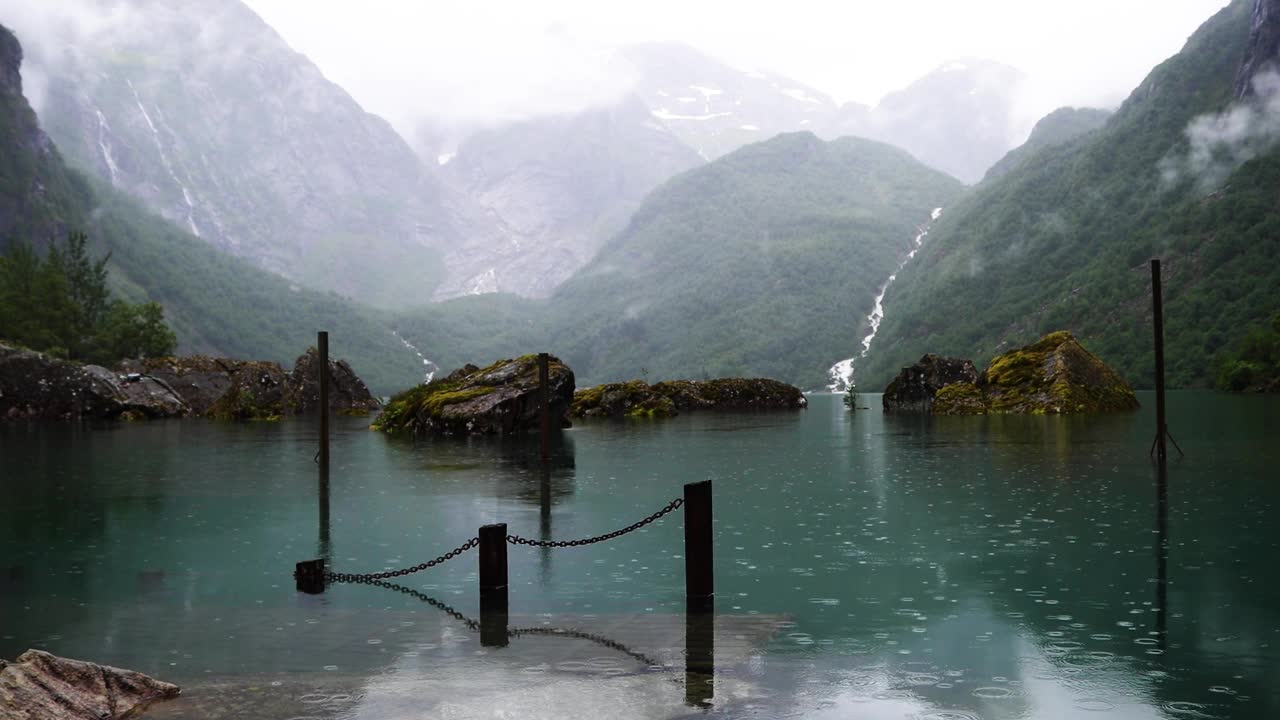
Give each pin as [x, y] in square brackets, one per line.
[475, 60]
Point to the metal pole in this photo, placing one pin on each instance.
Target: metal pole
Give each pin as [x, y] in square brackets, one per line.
[1157, 308]
[699, 571]
[493, 585]
[544, 402]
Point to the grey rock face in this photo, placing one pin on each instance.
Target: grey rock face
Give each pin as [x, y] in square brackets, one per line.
[557, 188]
[1264, 45]
[36, 386]
[40, 686]
[916, 386]
[201, 111]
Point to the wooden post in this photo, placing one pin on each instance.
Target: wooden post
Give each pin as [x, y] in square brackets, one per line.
[699, 571]
[699, 658]
[322, 344]
[309, 576]
[322, 348]
[1157, 312]
[544, 402]
[1162, 551]
[493, 585]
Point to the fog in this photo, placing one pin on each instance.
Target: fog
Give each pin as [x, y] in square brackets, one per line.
[467, 63]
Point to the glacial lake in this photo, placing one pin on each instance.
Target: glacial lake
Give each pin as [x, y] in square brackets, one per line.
[867, 566]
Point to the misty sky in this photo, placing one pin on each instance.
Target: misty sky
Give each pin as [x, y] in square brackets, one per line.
[468, 61]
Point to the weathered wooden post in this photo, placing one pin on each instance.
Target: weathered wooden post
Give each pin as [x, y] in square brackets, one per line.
[1157, 311]
[699, 658]
[699, 571]
[544, 403]
[308, 576]
[493, 585]
[322, 348]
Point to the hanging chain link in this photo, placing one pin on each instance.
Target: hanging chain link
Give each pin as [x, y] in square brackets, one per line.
[670, 507]
[370, 577]
[471, 624]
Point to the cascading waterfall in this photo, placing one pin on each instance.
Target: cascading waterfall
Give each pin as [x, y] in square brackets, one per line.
[841, 374]
[430, 367]
[164, 160]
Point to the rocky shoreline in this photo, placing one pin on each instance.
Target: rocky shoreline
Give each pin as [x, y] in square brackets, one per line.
[36, 386]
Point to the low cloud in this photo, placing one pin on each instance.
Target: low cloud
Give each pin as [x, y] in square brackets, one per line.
[1218, 143]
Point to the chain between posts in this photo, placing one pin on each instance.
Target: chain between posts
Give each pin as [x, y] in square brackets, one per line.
[370, 577]
[670, 507]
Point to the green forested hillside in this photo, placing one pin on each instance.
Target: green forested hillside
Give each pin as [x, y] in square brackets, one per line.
[762, 263]
[1058, 127]
[1062, 241]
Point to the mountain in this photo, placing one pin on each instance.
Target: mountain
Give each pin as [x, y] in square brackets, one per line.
[961, 118]
[1056, 128]
[715, 108]
[1185, 170]
[215, 302]
[202, 112]
[764, 262]
[556, 187]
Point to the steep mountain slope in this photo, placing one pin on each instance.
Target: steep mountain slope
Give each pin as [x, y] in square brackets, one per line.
[201, 111]
[1056, 128]
[960, 118]
[1184, 170]
[755, 264]
[715, 108]
[558, 187]
[215, 302]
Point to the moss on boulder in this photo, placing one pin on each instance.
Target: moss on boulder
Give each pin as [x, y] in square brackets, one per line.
[962, 398]
[637, 398]
[1054, 375]
[500, 399]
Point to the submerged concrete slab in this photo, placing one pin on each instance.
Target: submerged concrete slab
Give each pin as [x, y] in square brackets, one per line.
[551, 667]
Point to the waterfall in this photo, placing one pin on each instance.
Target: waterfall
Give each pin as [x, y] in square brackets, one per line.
[164, 160]
[430, 368]
[841, 374]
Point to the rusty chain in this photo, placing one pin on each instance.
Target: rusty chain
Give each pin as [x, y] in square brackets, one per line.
[670, 507]
[370, 577]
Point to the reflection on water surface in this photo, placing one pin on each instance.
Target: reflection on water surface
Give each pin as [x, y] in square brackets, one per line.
[867, 565]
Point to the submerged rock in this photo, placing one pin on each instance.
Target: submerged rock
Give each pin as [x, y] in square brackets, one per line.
[347, 392]
[34, 385]
[1054, 375]
[40, 686]
[501, 399]
[665, 399]
[916, 386]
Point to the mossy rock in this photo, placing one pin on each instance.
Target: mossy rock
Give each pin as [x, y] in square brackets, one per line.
[502, 398]
[960, 398]
[637, 398]
[1054, 375]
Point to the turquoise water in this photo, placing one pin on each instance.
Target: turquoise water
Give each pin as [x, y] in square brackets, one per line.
[868, 565]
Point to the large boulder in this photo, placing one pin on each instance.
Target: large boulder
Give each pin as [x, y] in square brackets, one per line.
[40, 686]
[916, 386]
[347, 392]
[664, 399]
[501, 399]
[199, 379]
[38, 386]
[1054, 375]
